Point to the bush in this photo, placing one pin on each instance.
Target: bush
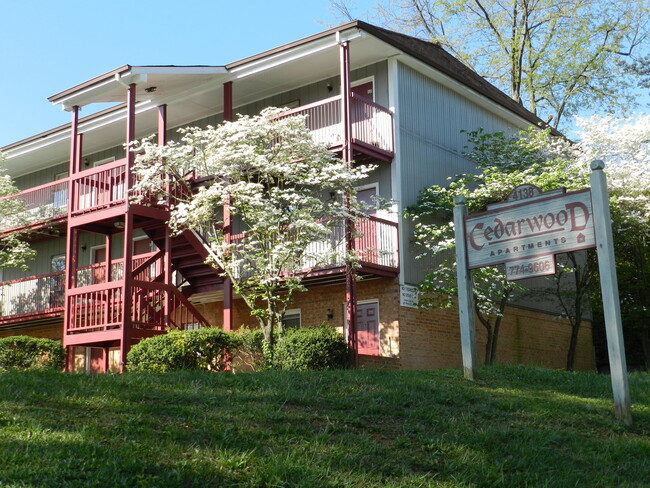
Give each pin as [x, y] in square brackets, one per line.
[250, 354]
[312, 349]
[23, 353]
[202, 349]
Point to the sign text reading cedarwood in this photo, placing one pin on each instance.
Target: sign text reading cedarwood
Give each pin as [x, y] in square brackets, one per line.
[529, 231]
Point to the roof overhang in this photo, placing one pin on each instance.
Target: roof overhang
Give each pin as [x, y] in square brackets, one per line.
[155, 80]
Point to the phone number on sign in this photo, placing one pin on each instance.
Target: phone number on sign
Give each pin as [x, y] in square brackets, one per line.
[538, 267]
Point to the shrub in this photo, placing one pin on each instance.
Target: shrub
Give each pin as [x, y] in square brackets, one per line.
[202, 349]
[251, 351]
[312, 348]
[23, 353]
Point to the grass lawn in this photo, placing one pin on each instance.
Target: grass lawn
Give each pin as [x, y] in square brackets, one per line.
[514, 427]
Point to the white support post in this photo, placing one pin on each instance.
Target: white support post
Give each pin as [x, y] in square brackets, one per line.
[465, 292]
[609, 288]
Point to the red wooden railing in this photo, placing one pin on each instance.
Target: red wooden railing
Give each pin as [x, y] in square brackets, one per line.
[40, 203]
[146, 267]
[99, 187]
[98, 308]
[33, 294]
[372, 124]
[376, 243]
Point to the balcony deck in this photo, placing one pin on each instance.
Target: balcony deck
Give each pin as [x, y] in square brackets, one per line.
[372, 126]
[376, 248]
[32, 299]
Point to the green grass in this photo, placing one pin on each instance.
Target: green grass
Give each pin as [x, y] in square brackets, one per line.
[514, 427]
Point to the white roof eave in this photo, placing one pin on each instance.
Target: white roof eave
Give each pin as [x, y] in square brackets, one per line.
[112, 89]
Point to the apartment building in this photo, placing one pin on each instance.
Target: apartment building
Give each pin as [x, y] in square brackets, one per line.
[108, 272]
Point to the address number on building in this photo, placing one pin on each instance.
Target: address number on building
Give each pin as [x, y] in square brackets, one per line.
[529, 268]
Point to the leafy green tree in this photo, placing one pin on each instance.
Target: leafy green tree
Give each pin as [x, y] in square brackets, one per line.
[288, 194]
[555, 57]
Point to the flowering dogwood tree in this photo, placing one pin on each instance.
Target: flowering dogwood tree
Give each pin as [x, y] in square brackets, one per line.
[288, 198]
[15, 251]
[624, 145]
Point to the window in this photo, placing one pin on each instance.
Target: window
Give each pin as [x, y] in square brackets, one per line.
[60, 195]
[57, 263]
[291, 319]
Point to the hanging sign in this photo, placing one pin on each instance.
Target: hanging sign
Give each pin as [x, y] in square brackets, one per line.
[528, 230]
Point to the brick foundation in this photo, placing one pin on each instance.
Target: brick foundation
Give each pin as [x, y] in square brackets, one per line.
[430, 339]
[52, 331]
[413, 338]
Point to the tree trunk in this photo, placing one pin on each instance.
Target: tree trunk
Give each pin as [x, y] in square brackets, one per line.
[495, 337]
[489, 357]
[573, 344]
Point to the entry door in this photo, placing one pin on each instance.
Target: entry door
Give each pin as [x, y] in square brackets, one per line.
[368, 328]
[98, 257]
[366, 245]
[366, 90]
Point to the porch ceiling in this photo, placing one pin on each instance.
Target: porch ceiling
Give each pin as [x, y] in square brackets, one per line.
[191, 93]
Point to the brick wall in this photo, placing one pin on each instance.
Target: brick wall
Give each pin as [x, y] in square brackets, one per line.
[52, 331]
[430, 339]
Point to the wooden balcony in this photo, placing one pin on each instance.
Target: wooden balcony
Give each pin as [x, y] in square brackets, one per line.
[372, 125]
[376, 248]
[32, 299]
[96, 306]
[96, 311]
[44, 203]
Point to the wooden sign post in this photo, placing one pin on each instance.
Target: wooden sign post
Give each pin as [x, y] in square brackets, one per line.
[609, 290]
[465, 291]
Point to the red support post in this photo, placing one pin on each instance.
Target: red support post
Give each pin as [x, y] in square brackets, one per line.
[227, 102]
[71, 242]
[162, 125]
[347, 156]
[77, 163]
[74, 125]
[227, 223]
[128, 233]
[167, 259]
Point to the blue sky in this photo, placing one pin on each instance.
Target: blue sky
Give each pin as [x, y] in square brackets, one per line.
[49, 46]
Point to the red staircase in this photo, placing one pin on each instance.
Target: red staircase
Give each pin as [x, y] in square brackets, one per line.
[188, 254]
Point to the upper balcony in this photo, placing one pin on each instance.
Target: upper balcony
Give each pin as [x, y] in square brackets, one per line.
[42, 204]
[372, 126]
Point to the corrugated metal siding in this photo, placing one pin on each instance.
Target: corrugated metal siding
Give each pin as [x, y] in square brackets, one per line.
[41, 177]
[431, 142]
[41, 265]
